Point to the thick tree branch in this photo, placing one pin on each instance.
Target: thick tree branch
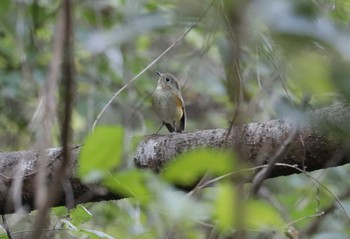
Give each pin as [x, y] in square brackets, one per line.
[24, 165]
[321, 144]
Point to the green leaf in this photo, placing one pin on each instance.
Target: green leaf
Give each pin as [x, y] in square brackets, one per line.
[258, 215]
[224, 205]
[101, 152]
[261, 215]
[131, 183]
[80, 215]
[60, 211]
[190, 166]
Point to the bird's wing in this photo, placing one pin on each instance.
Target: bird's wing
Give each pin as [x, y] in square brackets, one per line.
[183, 119]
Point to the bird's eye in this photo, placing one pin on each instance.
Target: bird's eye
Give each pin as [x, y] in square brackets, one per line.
[167, 79]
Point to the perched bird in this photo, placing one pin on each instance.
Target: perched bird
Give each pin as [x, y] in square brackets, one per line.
[168, 104]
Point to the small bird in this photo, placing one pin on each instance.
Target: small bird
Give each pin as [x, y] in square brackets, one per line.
[168, 104]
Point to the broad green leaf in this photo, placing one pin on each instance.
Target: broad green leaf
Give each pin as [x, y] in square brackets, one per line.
[190, 166]
[60, 211]
[224, 206]
[131, 183]
[80, 215]
[101, 152]
[261, 215]
[258, 215]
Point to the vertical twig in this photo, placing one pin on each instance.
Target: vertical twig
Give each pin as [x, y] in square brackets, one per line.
[257, 67]
[59, 178]
[45, 113]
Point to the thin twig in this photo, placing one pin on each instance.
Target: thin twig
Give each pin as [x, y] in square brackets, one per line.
[150, 65]
[45, 113]
[199, 185]
[257, 68]
[316, 224]
[303, 218]
[240, 96]
[280, 76]
[319, 183]
[263, 174]
[237, 109]
[332, 207]
[45, 230]
[207, 183]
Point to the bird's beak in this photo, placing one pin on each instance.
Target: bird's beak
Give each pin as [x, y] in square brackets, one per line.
[158, 73]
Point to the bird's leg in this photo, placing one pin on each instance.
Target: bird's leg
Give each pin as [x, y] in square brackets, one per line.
[174, 124]
[160, 127]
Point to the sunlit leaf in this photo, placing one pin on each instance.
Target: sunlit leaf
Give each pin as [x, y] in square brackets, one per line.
[186, 169]
[80, 215]
[261, 215]
[102, 151]
[131, 183]
[224, 206]
[60, 211]
[258, 215]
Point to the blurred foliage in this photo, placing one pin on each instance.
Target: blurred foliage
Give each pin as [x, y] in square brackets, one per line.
[103, 145]
[264, 57]
[189, 167]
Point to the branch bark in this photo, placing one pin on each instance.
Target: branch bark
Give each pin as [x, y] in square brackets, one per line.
[23, 165]
[321, 144]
